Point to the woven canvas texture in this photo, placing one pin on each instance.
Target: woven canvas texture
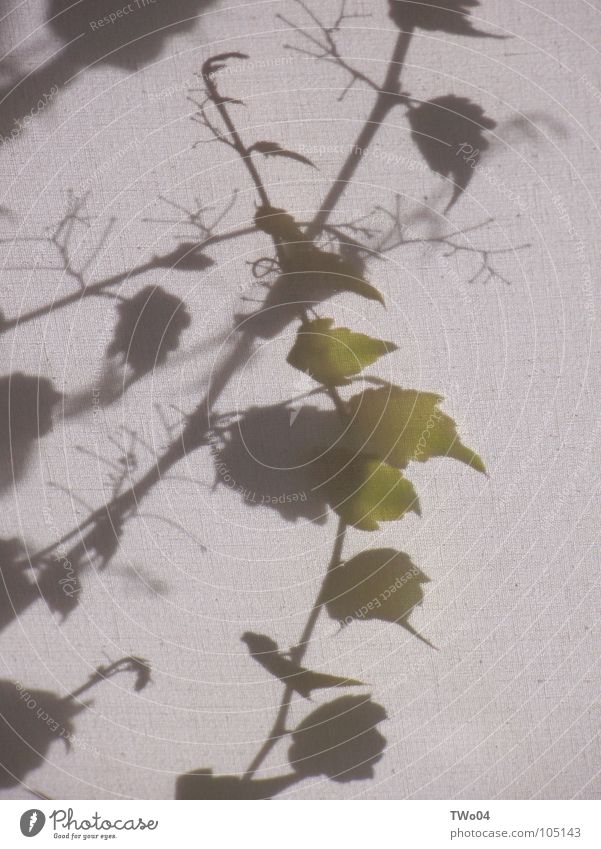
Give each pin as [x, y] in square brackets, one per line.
[111, 177]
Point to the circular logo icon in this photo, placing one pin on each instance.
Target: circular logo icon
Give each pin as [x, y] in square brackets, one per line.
[32, 822]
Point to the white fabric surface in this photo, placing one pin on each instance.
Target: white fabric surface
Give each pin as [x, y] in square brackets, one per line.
[509, 705]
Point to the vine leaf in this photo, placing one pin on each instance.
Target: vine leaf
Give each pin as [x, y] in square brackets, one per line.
[378, 584]
[149, 327]
[265, 651]
[339, 740]
[400, 425]
[262, 458]
[142, 669]
[309, 274]
[449, 132]
[202, 784]
[279, 224]
[446, 15]
[268, 148]
[363, 490]
[332, 354]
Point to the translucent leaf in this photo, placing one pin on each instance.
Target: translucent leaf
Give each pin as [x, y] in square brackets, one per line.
[339, 740]
[449, 132]
[363, 490]
[446, 15]
[265, 651]
[274, 149]
[331, 355]
[379, 584]
[400, 425]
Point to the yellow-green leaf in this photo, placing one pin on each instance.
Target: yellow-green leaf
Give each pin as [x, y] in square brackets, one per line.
[364, 491]
[399, 425]
[380, 584]
[332, 354]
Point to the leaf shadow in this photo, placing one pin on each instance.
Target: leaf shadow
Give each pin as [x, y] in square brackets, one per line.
[31, 721]
[265, 457]
[451, 16]
[26, 408]
[127, 38]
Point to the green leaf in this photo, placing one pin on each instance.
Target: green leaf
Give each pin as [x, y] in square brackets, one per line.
[364, 491]
[331, 355]
[378, 584]
[400, 425]
[339, 740]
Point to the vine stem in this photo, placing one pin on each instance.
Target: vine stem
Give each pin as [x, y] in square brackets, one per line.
[388, 97]
[278, 729]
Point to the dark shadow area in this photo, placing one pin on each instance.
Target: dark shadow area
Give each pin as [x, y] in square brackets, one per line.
[339, 740]
[124, 35]
[202, 784]
[265, 457]
[379, 584]
[26, 406]
[266, 652]
[149, 327]
[309, 275]
[446, 15]
[17, 587]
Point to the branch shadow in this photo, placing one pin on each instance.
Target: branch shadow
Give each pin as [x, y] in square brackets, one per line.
[339, 740]
[26, 408]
